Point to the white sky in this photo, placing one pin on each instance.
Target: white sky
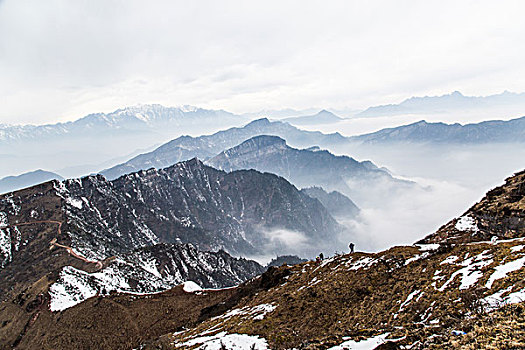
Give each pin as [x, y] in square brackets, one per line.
[60, 60]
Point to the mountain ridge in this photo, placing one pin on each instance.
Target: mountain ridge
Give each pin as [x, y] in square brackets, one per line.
[495, 131]
[13, 183]
[307, 168]
[187, 147]
[444, 103]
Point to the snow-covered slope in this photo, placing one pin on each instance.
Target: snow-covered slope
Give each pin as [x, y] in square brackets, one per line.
[151, 269]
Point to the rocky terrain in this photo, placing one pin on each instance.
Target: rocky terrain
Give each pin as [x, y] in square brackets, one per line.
[461, 287]
[244, 212]
[64, 242]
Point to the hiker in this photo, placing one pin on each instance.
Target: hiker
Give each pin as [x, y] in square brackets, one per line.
[321, 256]
[317, 260]
[351, 246]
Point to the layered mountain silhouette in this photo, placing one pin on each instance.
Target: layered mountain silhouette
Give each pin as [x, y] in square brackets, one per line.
[307, 167]
[322, 117]
[141, 119]
[495, 131]
[454, 101]
[187, 147]
[96, 139]
[335, 202]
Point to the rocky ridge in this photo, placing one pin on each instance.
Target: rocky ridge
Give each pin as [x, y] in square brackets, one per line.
[468, 294]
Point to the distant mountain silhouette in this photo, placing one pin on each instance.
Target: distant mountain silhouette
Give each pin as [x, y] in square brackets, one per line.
[323, 117]
[495, 131]
[451, 102]
[307, 168]
[13, 183]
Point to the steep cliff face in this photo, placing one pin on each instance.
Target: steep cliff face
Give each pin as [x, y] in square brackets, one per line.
[243, 212]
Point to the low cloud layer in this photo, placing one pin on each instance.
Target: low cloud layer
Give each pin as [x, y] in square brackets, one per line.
[409, 217]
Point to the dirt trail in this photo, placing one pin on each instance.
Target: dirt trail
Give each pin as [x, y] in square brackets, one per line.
[76, 255]
[54, 240]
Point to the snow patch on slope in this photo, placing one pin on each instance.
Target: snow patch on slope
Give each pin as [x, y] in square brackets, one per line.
[466, 223]
[74, 286]
[470, 273]
[257, 312]
[503, 270]
[363, 263]
[74, 202]
[229, 341]
[497, 300]
[367, 344]
[190, 287]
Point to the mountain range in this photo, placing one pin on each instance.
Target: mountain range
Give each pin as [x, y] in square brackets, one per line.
[449, 103]
[63, 242]
[307, 168]
[98, 138]
[460, 286]
[80, 147]
[139, 119]
[493, 131]
[206, 146]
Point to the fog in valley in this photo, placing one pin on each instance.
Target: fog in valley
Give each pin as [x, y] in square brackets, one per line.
[451, 177]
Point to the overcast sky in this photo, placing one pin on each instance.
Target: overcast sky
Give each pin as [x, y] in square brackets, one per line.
[60, 60]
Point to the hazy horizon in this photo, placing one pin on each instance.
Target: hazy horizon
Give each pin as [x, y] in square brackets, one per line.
[499, 112]
[61, 60]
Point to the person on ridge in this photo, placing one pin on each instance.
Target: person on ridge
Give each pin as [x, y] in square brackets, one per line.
[321, 256]
[351, 246]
